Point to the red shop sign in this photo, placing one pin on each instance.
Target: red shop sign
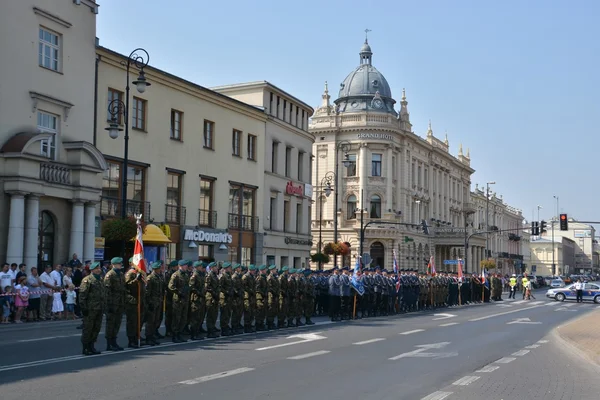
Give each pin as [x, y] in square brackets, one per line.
[294, 190]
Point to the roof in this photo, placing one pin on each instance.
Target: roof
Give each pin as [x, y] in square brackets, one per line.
[18, 142]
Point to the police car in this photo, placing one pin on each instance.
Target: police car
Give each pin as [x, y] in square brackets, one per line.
[591, 292]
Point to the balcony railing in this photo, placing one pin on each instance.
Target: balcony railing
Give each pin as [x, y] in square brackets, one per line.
[54, 173]
[207, 218]
[243, 222]
[175, 214]
[111, 207]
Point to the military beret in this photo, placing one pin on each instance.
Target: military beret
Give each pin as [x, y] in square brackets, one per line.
[95, 265]
[244, 268]
[190, 263]
[116, 260]
[212, 264]
[252, 267]
[285, 268]
[272, 267]
[156, 265]
[345, 269]
[226, 265]
[262, 267]
[292, 270]
[197, 264]
[306, 272]
[236, 265]
[173, 263]
[181, 263]
[334, 269]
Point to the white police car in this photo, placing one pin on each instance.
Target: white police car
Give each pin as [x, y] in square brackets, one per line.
[591, 292]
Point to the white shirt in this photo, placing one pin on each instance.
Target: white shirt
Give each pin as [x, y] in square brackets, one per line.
[13, 274]
[45, 278]
[578, 286]
[56, 277]
[5, 280]
[67, 281]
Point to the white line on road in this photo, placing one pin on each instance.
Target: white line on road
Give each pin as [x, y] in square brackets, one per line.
[569, 304]
[437, 396]
[304, 338]
[537, 302]
[465, 380]
[533, 346]
[506, 360]
[554, 303]
[307, 355]
[216, 376]
[450, 324]
[542, 341]
[502, 313]
[411, 332]
[368, 341]
[519, 302]
[47, 338]
[488, 368]
[520, 353]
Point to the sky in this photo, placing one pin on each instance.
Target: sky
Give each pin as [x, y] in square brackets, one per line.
[514, 81]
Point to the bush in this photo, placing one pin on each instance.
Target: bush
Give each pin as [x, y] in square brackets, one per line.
[118, 229]
[319, 258]
[488, 264]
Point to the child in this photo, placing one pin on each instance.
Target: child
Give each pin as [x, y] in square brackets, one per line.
[57, 305]
[70, 302]
[6, 300]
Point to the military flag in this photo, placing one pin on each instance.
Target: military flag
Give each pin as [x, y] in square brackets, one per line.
[483, 273]
[138, 249]
[460, 270]
[431, 266]
[395, 262]
[355, 282]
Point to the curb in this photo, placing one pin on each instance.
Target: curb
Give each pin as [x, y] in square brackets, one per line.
[571, 345]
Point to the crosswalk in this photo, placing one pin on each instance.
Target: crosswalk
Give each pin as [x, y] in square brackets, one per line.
[546, 302]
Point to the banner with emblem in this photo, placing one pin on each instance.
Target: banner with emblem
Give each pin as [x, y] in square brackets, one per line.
[138, 250]
[355, 282]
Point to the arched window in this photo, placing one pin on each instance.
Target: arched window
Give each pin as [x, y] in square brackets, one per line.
[351, 207]
[375, 206]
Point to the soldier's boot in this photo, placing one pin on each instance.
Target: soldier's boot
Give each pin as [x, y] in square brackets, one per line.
[115, 345]
[291, 323]
[93, 349]
[158, 335]
[248, 329]
[109, 345]
[150, 340]
[132, 343]
[175, 338]
[299, 322]
[86, 349]
[181, 340]
[309, 321]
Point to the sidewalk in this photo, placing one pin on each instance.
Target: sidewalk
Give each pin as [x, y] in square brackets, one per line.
[584, 335]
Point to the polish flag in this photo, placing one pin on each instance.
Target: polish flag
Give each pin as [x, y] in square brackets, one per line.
[138, 249]
[431, 266]
[460, 270]
[483, 276]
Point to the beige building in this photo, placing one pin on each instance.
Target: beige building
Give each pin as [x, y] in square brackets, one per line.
[196, 163]
[393, 176]
[50, 170]
[564, 256]
[582, 235]
[287, 186]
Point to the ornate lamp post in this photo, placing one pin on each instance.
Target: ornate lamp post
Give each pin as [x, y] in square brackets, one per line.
[139, 58]
[343, 145]
[327, 189]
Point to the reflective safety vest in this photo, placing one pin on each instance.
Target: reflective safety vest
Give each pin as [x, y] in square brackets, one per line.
[525, 281]
[513, 282]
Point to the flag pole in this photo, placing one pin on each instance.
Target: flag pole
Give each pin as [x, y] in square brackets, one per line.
[139, 317]
[354, 309]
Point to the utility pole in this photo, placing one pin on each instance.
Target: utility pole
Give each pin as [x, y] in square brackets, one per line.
[487, 217]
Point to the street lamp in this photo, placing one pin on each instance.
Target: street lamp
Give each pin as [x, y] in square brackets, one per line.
[327, 189]
[138, 58]
[554, 271]
[344, 145]
[487, 217]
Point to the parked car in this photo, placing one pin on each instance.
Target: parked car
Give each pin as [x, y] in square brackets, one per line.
[591, 292]
[557, 283]
[540, 281]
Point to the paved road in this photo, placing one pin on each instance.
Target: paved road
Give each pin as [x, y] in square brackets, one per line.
[431, 355]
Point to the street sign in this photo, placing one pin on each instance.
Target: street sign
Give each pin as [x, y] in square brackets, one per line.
[366, 258]
[450, 262]
[422, 353]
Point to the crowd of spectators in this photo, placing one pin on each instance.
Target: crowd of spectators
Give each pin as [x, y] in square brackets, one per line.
[27, 296]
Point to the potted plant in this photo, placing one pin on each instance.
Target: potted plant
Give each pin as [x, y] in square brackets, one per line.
[320, 258]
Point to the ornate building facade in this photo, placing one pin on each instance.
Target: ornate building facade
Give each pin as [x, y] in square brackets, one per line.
[372, 173]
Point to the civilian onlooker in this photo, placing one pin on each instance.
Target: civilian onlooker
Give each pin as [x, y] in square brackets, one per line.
[5, 277]
[13, 273]
[46, 298]
[74, 262]
[21, 272]
[70, 302]
[7, 304]
[35, 285]
[57, 276]
[57, 304]
[68, 278]
[21, 298]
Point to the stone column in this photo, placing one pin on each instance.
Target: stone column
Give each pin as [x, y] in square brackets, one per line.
[77, 230]
[89, 232]
[16, 222]
[388, 181]
[32, 222]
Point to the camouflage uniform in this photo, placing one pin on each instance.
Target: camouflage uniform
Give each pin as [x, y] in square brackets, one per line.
[261, 298]
[249, 286]
[237, 309]
[309, 297]
[169, 297]
[197, 301]
[272, 297]
[283, 298]
[135, 290]
[114, 283]
[179, 288]
[225, 299]
[153, 302]
[92, 300]
[292, 287]
[300, 288]
[212, 300]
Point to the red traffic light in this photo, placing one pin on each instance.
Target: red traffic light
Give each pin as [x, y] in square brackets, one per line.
[564, 222]
[563, 217]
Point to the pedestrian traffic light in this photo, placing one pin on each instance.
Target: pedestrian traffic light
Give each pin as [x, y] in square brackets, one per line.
[535, 228]
[564, 222]
[542, 227]
[425, 227]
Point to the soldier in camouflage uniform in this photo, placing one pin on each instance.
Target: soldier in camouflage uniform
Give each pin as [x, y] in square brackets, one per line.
[283, 298]
[262, 292]
[249, 285]
[300, 289]
[153, 302]
[92, 300]
[169, 297]
[114, 283]
[197, 301]
[237, 309]
[161, 307]
[180, 290]
[135, 290]
[309, 296]
[292, 289]
[212, 300]
[272, 296]
[225, 299]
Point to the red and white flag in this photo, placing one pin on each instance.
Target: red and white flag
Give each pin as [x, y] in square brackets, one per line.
[138, 249]
[483, 275]
[431, 266]
[460, 270]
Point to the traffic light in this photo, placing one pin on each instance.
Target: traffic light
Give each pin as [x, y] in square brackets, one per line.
[535, 228]
[425, 227]
[542, 227]
[564, 222]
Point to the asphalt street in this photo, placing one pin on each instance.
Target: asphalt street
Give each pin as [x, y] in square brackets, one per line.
[500, 350]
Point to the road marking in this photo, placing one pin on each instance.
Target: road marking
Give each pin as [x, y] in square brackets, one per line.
[368, 341]
[443, 316]
[554, 303]
[505, 360]
[533, 346]
[488, 368]
[411, 332]
[420, 352]
[216, 376]
[465, 380]
[437, 396]
[48, 338]
[542, 341]
[523, 321]
[305, 338]
[569, 304]
[504, 305]
[450, 324]
[308, 355]
[519, 302]
[502, 313]
[537, 302]
[520, 353]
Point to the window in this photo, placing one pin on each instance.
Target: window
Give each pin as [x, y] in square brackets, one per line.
[351, 207]
[288, 161]
[241, 203]
[375, 206]
[48, 49]
[251, 147]
[426, 178]
[299, 218]
[310, 216]
[206, 215]
[176, 121]
[173, 209]
[285, 261]
[206, 252]
[376, 165]
[291, 109]
[297, 115]
[302, 122]
[284, 109]
[236, 143]
[209, 131]
[138, 120]
[286, 215]
[413, 173]
[111, 190]
[247, 258]
[301, 166]
[112, 96]
[48, 123]
[393, 174]
[272, 212]
[274, 151]
[351, 170]
[270, 260]
[271, 104]
[419, 176]
[278, 102]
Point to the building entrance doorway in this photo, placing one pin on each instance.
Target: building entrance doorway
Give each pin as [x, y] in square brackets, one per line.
[377, 252]
[46, 231]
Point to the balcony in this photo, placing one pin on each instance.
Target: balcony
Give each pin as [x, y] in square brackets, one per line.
[207, 218]
[54, 173]
[469, 208]
[243, 222]
[174, 214]
[111, 207]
